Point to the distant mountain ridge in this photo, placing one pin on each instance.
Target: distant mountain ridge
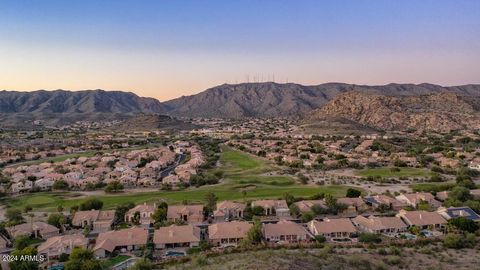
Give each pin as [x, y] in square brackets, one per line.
[264, 100]
[287, 100]
[88, 101]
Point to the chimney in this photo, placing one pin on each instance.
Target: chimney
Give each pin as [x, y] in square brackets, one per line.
[130, 235]
[420, 216]
[170, 233]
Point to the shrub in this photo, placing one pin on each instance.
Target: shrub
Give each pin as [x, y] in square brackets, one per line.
[353, 193]
[464, 224]
[457, 241]
[393, 260]
[320, 239]
[369, 238]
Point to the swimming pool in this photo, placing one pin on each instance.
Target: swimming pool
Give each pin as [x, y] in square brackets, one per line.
[173, 253]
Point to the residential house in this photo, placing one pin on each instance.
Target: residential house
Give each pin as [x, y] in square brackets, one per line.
[36, 229]
[457, 212]
[475, 193]
[442, 195]
[187, 213]
[332, 228]
[422, 219]
[306, 205]
[123, 240]
[21, 186]
[171, 180]
[354, 205]
[378, 200]
[228, 233]
[277, 208]
[414, 199]
[98, 220]
[381, 225]
[44, 184]
[185, 236]
[284, 231]
[146, 212]
[228, 210]
[57, 245]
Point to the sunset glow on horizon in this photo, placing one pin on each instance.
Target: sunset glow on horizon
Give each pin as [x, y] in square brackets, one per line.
[166, 49]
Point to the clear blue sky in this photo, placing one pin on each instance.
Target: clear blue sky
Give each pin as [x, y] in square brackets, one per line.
[171, 48]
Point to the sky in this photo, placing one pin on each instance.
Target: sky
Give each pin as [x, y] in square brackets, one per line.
[166, 49]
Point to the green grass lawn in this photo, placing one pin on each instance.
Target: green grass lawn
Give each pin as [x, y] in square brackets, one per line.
[113, 261]
[431, 187]
[244, 178]
[387, 172]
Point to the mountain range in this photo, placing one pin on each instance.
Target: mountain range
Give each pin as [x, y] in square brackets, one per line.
[88, 101]
[384, 107]
[287, 100]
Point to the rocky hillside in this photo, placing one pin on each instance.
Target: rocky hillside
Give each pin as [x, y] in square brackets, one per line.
[440, 112]
[287, 100]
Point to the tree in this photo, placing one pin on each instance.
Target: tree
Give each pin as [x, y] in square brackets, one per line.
[21, 242]
[320, 238]
[14, 216]
[333, 206]
[60, 185]
[254, 234]
[382, 208]
[160, 215]
[163, 205]
[353, 193]
[136, 218]
[464, 224]
[24, 264]
[121, 210]
[318, 209]
[91, 204]
[399, 163]
[294, 210]
[289, 198]
[56, 219]
[63, 257]
[460, 193]
[113, 187]
[457, 241]
[81, 259]
[307, 216]
[258, 211]
[210, 202]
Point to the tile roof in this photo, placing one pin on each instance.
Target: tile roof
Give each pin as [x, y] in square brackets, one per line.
[271, 204]
[283, 227]
[421, 218]
[333, 225]
[234, 229]
[176, 234]
[63, 242]
[380, 223]
[126, 237]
